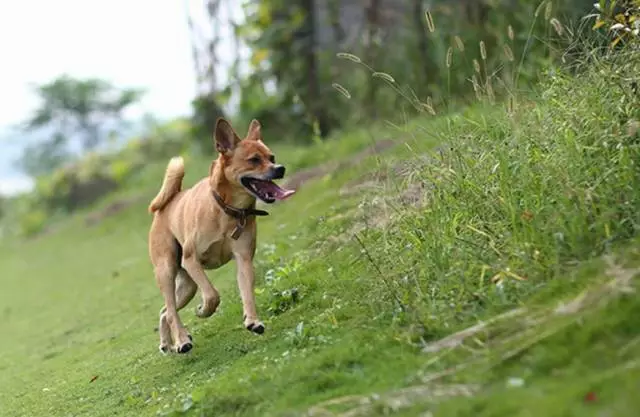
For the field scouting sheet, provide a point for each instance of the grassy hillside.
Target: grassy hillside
(485, 265)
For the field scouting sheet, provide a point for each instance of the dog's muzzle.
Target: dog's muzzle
(277, 172)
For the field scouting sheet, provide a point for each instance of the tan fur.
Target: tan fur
(170, 186)
(190, 220)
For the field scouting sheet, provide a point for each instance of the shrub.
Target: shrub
(33, 222)
(97, 174)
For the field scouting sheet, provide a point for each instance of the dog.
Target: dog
(205, 226)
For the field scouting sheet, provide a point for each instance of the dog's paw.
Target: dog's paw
(183, 348)
(257, 328)
(208, 307)
(254, 325)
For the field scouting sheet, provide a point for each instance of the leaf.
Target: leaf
(599, 23)
(615, 42)
(515, 276)
(298, 18)
(264, 14)
(259, 56)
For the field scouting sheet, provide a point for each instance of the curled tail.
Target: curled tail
(171, 185)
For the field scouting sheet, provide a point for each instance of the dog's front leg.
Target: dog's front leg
(210, 295)
(244, 260)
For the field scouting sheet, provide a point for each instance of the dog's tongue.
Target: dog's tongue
(277, 192)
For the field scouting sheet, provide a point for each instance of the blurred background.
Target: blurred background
(91, 91)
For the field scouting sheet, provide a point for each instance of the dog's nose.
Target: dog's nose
(278, 172)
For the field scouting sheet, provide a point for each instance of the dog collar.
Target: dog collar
(239, 214)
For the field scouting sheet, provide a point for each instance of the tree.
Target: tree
(87, 111)
(207, 106)
(310, 89)
(286, 55)
(41, 158)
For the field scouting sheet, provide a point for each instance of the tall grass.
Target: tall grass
(513, 199)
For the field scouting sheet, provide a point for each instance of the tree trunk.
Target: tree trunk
(477, 12)
(373, 26)
(334, 17)
(427, 70)
(314, 100)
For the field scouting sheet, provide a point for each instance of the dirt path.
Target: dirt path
(308, 174)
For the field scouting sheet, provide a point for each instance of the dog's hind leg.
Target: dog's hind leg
(166, 277)
(164, 253)
(185, 291)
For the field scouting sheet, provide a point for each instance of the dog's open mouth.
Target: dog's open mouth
(266, 190)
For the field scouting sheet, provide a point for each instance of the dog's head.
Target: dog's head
(249, 163)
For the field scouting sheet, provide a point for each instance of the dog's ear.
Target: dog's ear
(255, 132)
(225, 137)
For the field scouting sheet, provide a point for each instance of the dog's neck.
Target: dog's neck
(233, 195)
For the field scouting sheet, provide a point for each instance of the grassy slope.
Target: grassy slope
(540, 195)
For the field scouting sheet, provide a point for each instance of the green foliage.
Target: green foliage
(281, 299)
(513, 200)
(88, 180)
(33, 222)
(283, 56)
(206, 111)
(89, 110)
(164, 140)
(120, 170)
(420, 64)
(620, 18)
(530, 193)
(42, 158)
(76, 186)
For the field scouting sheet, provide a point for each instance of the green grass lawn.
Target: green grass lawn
(370, 282)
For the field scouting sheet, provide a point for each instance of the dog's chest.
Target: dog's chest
(216, 255)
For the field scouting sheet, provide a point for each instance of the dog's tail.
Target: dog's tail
(171, 185)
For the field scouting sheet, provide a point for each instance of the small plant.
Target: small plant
(282, 295)
(298, 336)
(620, 18)
(282, 300)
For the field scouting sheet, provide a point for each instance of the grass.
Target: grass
(89, 305)
(523, 221)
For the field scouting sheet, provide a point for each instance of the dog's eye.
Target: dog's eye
(255, 159)
(272, 159)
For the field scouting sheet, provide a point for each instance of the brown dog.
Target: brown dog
(205, 226)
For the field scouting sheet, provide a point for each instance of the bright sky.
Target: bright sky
(132, 43)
